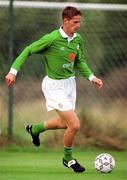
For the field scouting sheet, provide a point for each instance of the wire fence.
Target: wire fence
(105, 39)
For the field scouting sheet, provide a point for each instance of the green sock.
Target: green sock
(68, 153)
(38, 128)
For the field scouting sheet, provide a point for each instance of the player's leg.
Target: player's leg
(53, 123)
(35, 129)
(67, 119)
(73, 126)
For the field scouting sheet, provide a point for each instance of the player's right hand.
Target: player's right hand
(10, 79)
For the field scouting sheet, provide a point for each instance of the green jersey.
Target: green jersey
(61, 53)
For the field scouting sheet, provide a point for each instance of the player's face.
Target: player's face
(73, 24)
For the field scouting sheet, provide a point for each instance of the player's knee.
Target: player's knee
(75, 126)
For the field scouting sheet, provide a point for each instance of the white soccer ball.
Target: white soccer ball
(104, 163)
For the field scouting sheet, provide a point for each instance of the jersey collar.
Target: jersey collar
(64, 35)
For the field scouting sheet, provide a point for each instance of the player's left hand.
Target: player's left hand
(98, 83)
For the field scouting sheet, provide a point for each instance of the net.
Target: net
(104, 32)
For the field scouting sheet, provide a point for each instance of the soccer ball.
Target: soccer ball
(104, 163)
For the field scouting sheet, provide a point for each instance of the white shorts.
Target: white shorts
(59, 94)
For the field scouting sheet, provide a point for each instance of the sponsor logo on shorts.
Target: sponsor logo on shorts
(60, 105)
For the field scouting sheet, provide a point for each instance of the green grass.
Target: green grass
(39, 164)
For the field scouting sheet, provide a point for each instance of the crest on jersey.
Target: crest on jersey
(72, 56)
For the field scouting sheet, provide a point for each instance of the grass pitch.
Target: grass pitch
(39, 165)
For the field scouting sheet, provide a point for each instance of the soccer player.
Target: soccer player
(63, 53)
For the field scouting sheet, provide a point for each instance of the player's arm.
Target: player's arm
(85, 71)
(33, 48)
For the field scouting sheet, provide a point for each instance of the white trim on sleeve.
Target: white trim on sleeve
(91, 77)
(13, 71)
